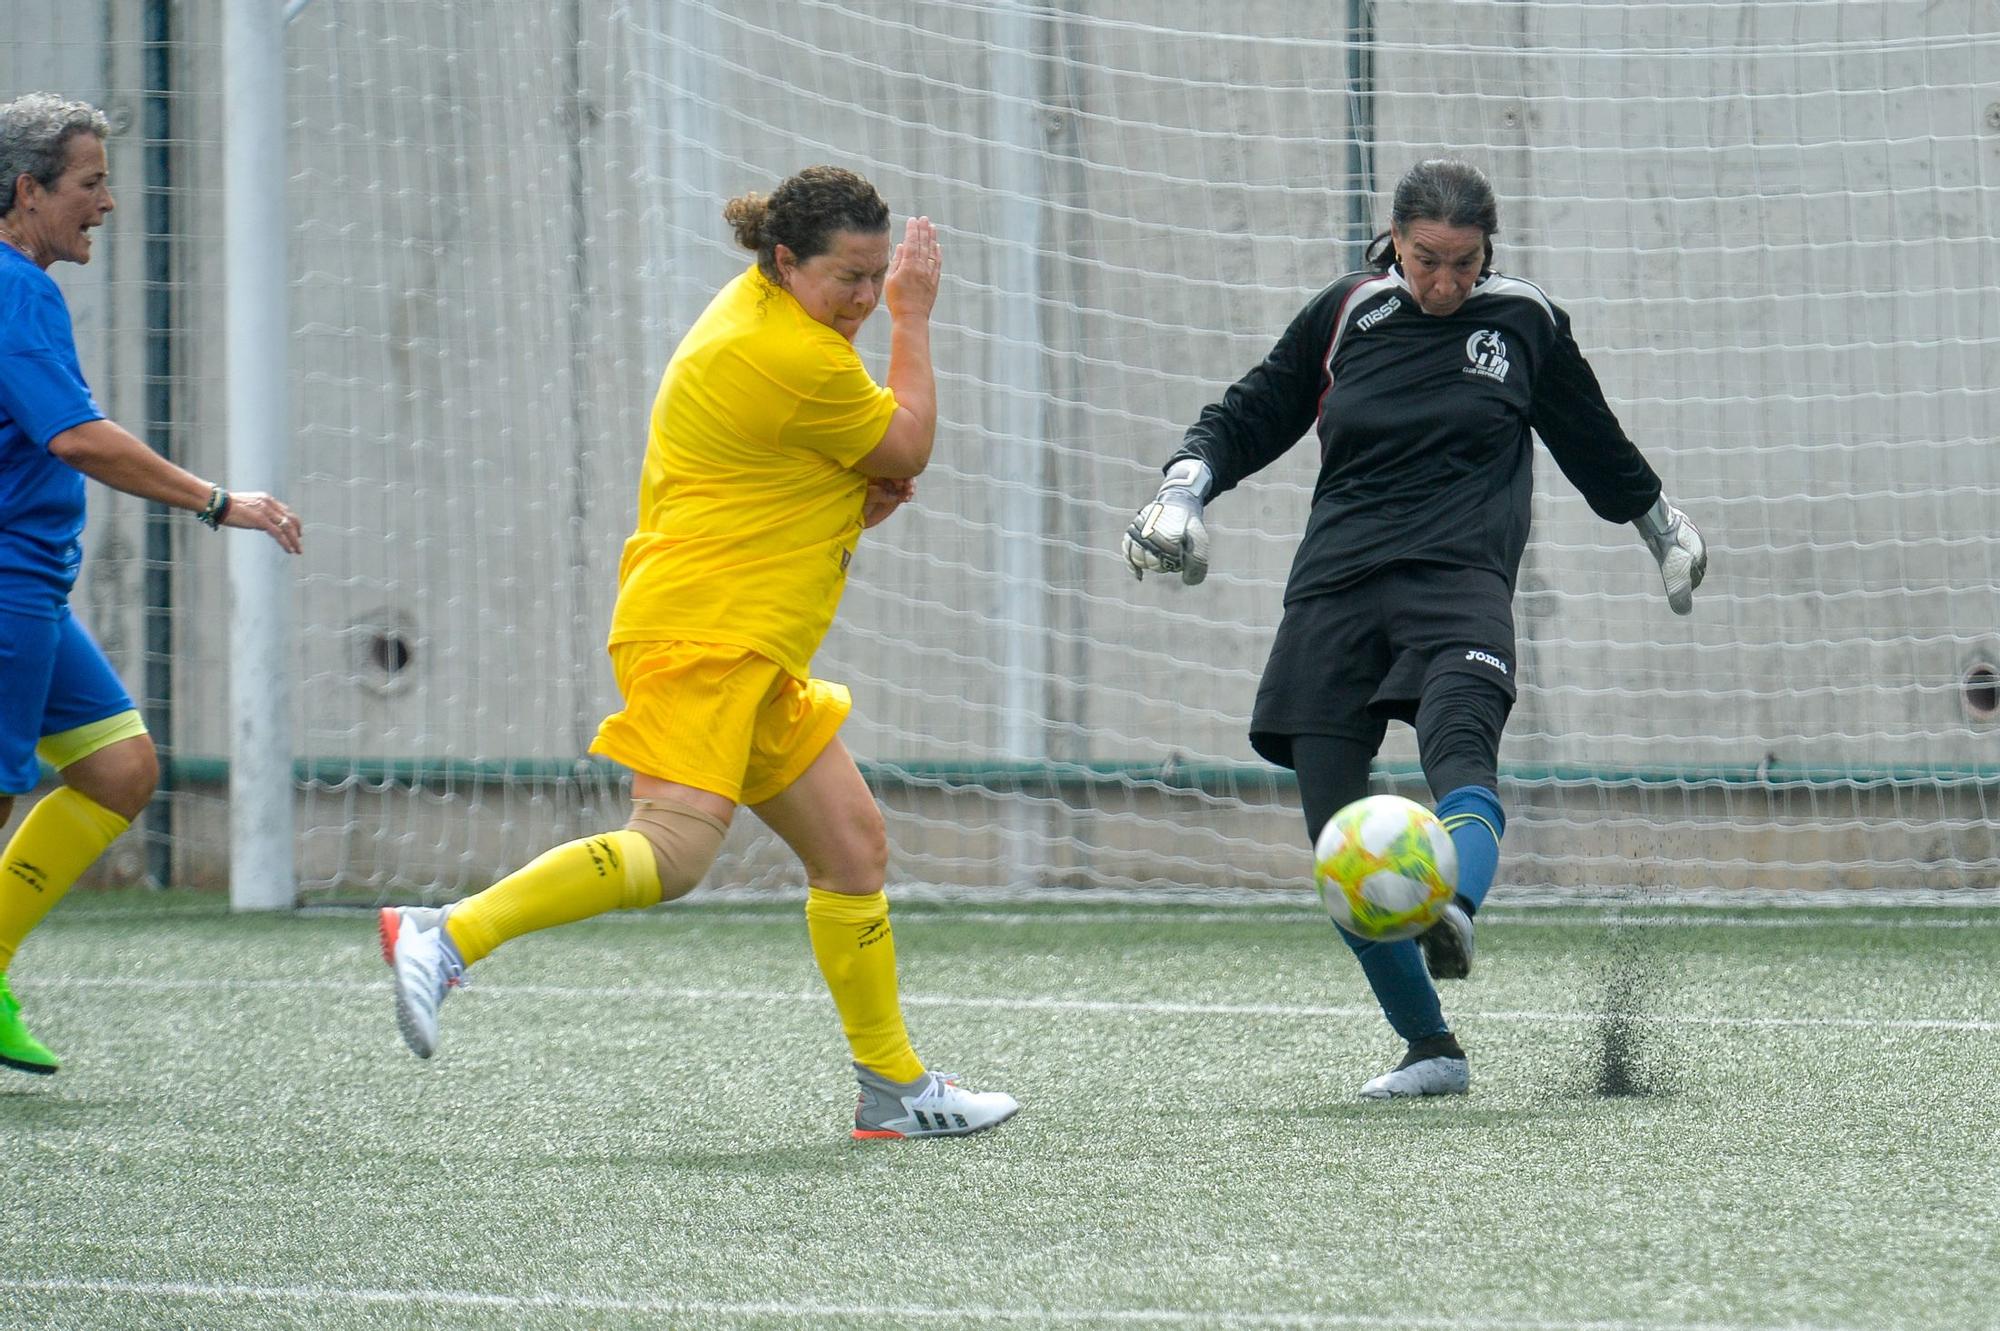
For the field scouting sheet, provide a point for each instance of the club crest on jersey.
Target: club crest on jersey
(1488, 354)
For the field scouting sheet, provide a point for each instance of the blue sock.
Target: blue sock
(1402, 985)
(1472, 815)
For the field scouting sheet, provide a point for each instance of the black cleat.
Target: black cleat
(1447, 944)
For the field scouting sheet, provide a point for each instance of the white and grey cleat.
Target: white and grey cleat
(934, 1105)
(426, 965)
(1426, 1076)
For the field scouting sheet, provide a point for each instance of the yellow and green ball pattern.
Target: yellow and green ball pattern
(1385, 868)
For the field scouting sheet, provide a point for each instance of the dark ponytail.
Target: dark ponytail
(803, 214)
(1381, 252)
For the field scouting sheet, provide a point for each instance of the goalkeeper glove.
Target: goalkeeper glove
(1682, 554)
(1167, 536)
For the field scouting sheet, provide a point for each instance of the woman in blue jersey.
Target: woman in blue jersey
(60, 700)
(1421, 378)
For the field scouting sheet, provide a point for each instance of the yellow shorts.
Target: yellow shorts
(718, 718)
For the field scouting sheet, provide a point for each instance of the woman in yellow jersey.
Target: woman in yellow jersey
(770, 450)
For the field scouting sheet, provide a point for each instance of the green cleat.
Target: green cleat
(18, 1049)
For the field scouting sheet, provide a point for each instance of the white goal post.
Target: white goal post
(1773, 225)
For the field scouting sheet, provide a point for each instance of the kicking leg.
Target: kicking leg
(659, 855)
(1458, 734)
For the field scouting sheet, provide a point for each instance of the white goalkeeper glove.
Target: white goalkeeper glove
(1167, 536)
(1682, 554)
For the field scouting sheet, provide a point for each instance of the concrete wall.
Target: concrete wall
(1771, 223)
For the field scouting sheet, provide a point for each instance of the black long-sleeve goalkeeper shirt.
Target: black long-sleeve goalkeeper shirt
(1423, 427)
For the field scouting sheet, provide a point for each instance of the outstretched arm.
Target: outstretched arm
(1258, 418)
(1584, 437)
(105, 451)
(1264, 413)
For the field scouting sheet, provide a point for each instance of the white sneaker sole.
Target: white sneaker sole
(1433, 1076)
(988, 1109)
(418, 1033)
(890, 1134)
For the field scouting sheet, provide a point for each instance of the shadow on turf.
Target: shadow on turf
(28, 1104)
(768, 1162)
(1452, 1113)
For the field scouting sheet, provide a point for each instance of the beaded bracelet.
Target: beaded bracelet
(218, 508)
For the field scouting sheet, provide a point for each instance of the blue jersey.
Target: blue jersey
(42, 393)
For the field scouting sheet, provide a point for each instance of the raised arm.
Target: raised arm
(1607, 468)
(910, 292)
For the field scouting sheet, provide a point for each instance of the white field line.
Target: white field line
(1586, 916)
(1565, 913)
(815, 1313)
(1300, 897)
(1107, 1007)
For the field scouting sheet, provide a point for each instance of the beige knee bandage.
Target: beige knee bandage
(684, 841)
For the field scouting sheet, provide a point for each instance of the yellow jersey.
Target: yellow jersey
(749, 507)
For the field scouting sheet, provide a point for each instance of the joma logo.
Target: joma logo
(1487, 658)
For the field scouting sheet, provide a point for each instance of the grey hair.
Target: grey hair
(1439, 190)
(35, 131)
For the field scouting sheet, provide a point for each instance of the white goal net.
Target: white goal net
(1773, 225)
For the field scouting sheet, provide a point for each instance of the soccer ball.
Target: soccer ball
(1385, 868)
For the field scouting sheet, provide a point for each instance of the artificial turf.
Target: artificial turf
(1679, 1119)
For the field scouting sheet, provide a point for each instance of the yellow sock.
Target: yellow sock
(611, 871)
(61, 837)
(856, 952)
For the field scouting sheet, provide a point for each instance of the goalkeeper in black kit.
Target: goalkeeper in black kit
(1421, 378)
